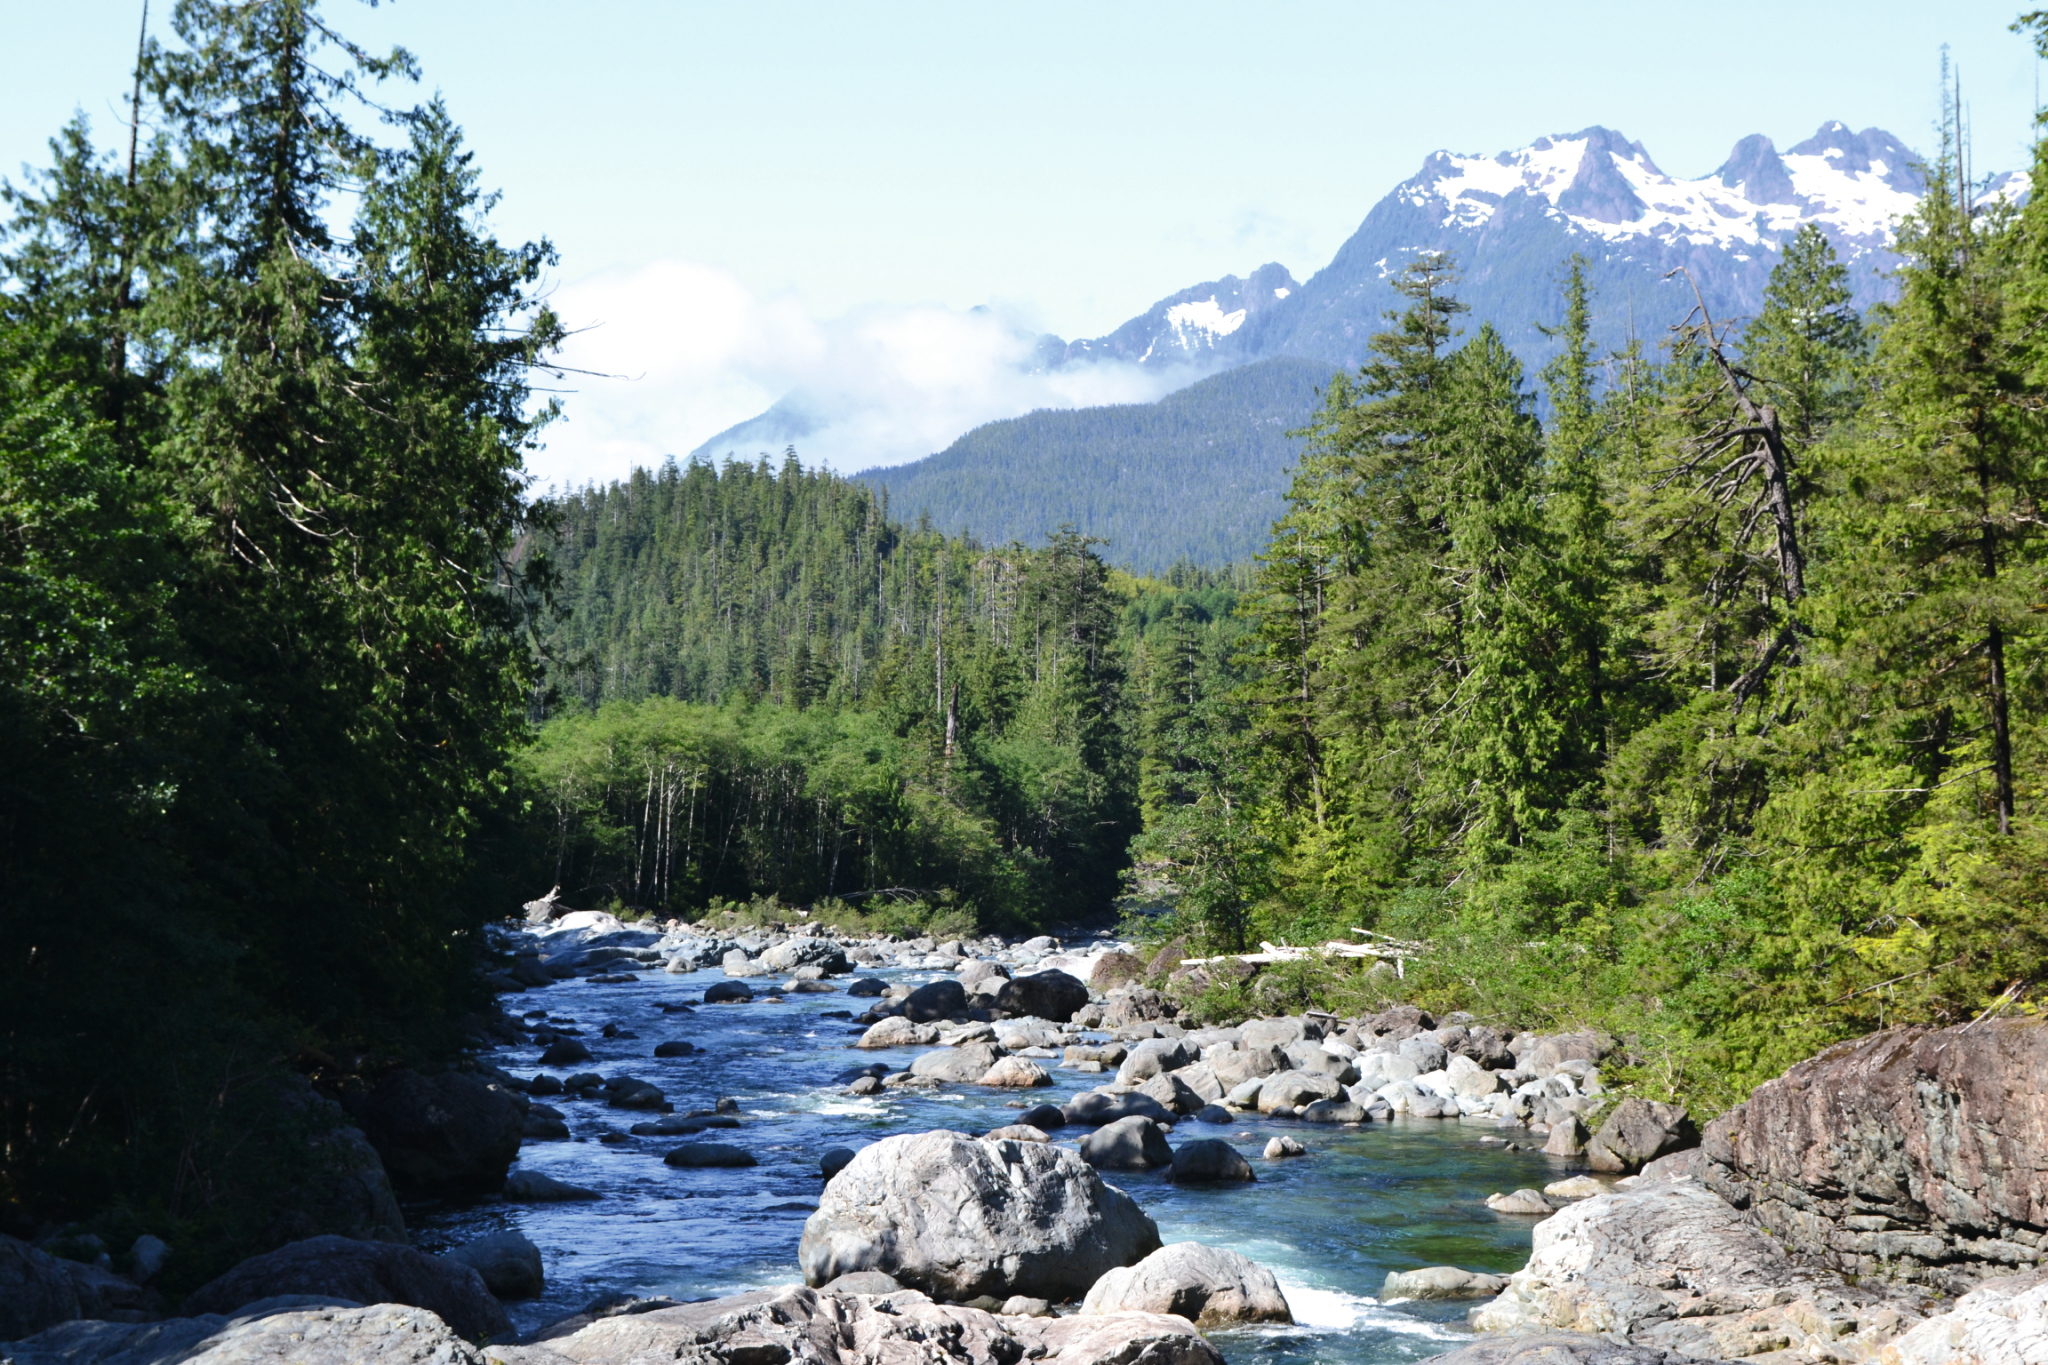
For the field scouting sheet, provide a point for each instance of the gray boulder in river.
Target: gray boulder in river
(935, 1000)
(958, 1218)
(1132, 1144)
(509, 1263)
(1050, 995)
(1209, 1286)
(362, 1272)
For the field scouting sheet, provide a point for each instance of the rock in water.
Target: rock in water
(1015, 1132)
(1637, 1131)
(704, 1155)
(1132, 1144)
(728, 993)
(1441, 1282)
(1209, 1286)
(833, 1160)
(962, 1065)
(290, 1333)
(1209, 1161)
(1015, 1073)
(510, 1265)
(959, 1217)
(935, 1000)
(1050, 995)
(531, 1187)
(1521, 1201)
(897, 1031)
(364, 1272)
(1284, 1146)
(451, 1135)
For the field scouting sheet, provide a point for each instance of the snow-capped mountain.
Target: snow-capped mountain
(1510, 220)
(1191, 326)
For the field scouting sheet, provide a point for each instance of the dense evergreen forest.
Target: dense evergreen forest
(263, 409)
(1197, 476)
(770, 688)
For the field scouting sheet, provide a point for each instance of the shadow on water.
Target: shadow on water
(1331, 1225)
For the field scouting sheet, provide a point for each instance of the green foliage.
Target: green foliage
(263, 405)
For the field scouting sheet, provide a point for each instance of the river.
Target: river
(1330, 1225)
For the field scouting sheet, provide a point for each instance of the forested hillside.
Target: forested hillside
(770, 688)
(1197, 475)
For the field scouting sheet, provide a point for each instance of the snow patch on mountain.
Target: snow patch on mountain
(1596, 182)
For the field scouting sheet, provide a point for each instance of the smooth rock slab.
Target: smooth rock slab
(959, 1217)
(1209, 1286)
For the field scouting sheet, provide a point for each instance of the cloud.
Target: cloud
(675, 352)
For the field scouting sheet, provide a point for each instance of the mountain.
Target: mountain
(1194, 325)
(1199, 474)
(1511, 219)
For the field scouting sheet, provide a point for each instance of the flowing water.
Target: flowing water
(1330, 1225)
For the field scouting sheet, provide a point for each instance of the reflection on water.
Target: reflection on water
(1330, 1225)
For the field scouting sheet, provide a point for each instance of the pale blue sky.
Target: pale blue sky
(745, 194)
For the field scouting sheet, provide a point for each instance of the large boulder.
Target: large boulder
(1209, 1286)
(935, 1000)
(1132, 1144)
(897, 1031)
(1177, 1095)
(1113, 969)
(1673, 1266)
(509, 1264)
(451, 1135)
(1638, 1131)
(1209, 1161)
(821, 953)
(1050, 995)
(862, 1320)
(1913, 1153)
(958, 1217)
(1234, 1066)
(1153, 1057)
(1297, 1090)
(363, 1272)
(35, 1291)
(962, 1065)
(1136, 1005)
(292, 1331)
(1098, 1107)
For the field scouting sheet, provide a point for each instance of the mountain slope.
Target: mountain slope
(1199, 474)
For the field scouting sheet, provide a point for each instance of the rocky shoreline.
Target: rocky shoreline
(1886, 1201)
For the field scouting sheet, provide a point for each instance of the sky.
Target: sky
(878, 204)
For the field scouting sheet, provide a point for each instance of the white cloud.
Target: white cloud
(679, 351)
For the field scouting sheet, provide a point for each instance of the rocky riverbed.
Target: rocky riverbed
(1013, 1127)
